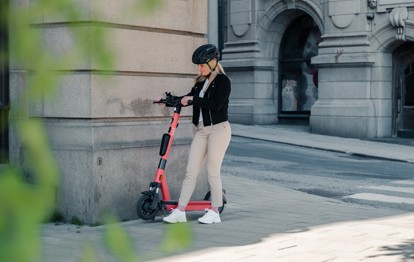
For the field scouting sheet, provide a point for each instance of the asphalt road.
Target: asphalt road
(361, 180)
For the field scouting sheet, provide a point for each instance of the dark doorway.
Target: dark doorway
(4, 84)
(403, 94)
(298, 78)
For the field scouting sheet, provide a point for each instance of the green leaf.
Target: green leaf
(177, 237)
(89, 254)
(118, 242)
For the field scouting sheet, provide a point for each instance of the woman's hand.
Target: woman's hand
(157, 101)
(184, 100)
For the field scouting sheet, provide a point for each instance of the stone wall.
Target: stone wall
(103, 128)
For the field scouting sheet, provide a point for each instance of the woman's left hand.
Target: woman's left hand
(184, 100)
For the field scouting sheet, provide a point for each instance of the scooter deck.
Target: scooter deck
(193, 205)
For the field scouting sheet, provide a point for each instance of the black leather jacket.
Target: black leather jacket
(214, 103)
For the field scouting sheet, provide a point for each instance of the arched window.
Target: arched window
(298, 78)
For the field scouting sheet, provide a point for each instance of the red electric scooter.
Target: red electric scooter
(150, 203)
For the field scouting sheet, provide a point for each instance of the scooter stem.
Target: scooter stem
(160, 173)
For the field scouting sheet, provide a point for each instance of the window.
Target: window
(409, 85)
(298, 77)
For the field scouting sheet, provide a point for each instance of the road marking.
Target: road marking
(404, 182)
(391, 188)
(382, 198)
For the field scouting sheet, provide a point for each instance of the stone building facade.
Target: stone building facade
(102, 126)
(343, 67)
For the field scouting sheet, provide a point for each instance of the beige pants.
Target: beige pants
(209, 143)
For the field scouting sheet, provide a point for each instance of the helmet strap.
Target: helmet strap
(212, 69)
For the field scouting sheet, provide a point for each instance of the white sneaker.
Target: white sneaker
(210, 217)
(176, 216)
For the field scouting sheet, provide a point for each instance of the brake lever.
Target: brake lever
(161, 101)
(169, 101)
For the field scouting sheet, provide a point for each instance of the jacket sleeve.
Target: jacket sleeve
(192, 92)
(217, 98)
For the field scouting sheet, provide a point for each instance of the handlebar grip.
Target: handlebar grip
(189, 102)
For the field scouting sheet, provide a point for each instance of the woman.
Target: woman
(210, 96)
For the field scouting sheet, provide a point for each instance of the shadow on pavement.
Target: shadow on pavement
(404, 250)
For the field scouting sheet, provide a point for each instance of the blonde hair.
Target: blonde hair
(219, 69)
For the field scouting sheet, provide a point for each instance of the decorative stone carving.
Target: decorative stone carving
(398, 16)
(343, 12)
(241, 17)
(372, 4)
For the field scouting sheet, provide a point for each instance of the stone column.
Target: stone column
(213, 23)
(253, 95)
(344, 106)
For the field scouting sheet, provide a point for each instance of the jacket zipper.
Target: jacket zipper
(209, 111)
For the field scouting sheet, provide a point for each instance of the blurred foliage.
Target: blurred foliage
(177, 238)
(147, 6)
(89, 254)
(118, 242)
(24, 205)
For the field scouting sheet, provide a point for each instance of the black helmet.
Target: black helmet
(205, 53)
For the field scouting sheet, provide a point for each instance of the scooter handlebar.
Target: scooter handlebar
(171, 101)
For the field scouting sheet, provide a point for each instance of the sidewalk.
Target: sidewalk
(298, 135)
(265, 222)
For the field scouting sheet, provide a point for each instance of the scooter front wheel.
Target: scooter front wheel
(144, 209)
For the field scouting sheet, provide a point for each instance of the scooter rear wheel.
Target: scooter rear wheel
(208, 197)
(144, 209)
